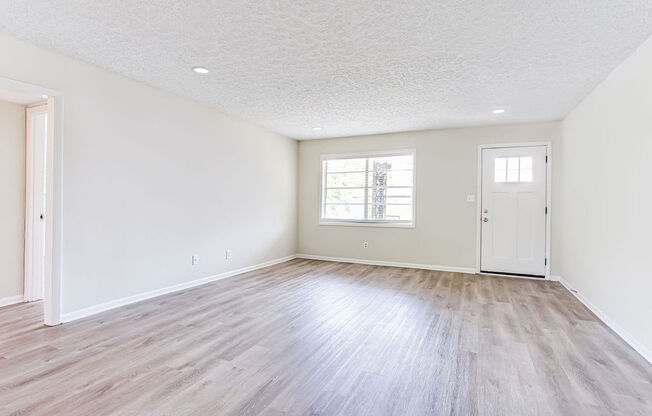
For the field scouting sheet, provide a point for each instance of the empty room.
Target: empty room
(275, 207)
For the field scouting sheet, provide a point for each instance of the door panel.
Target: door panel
(525, 240)
(514, 210)
(503, 208)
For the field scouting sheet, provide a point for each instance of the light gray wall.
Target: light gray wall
(446, 171)
(151, 179)
(12, 197)
(606, 197)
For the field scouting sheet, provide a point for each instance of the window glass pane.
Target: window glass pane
(345, 180)
(394, 196)
(344, 212)
(512, 169)
(378, 201)
(399, 195)
(377, 211)
(400, 178)
(341, 196)
(392, 178)
(390, 212)
(500, 169)
(395, 162)
(526, 169)
(512, 163)
(379, 172)
(526, 175)
(526, 162)
(399, 212)
(346, 165)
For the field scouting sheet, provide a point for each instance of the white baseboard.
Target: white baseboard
(92, 310)
(469, 270)
(11, 300)
(625, 335)
(554, 278)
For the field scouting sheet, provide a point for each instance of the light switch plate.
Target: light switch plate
(470, 198)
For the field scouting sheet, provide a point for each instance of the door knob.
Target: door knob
(485, 219)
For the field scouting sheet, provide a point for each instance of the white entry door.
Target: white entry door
(513, 206)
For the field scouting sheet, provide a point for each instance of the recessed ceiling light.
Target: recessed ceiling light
(200, 70)
(44, 96)
(316, 128)
(499, 111)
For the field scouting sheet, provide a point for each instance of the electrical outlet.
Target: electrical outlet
(228, 254)
(195, 259)
(365, 245)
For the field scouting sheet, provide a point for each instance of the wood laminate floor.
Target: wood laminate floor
(310, 337)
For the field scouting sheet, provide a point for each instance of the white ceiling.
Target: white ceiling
(19, 97)
(351, 67)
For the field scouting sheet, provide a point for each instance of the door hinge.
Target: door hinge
(546, 210)
(546, 159)
(546, 262)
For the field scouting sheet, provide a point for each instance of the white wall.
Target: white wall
(12, 197)
(606, 197)
(446, 171)
(151, 178)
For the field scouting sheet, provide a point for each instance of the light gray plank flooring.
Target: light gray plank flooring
(309, 337)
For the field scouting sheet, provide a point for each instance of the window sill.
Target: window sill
(368, 224)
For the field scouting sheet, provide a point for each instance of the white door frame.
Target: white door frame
(35, 155)
(54, 202)
(478, 218)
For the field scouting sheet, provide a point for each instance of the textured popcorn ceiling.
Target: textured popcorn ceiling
(355, 66)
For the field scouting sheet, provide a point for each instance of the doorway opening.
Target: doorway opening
(514, 209)
(33, 140)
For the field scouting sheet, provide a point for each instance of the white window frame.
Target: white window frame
(369, 223)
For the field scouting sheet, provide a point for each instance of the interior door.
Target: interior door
(514, 210)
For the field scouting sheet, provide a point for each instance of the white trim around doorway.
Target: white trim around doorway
(54, 203)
